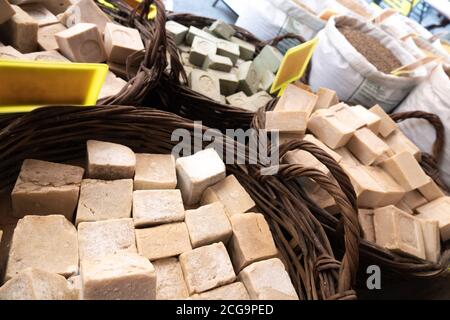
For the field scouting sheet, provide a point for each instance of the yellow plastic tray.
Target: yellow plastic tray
(294, 64)
(133, 4)
(27, 85)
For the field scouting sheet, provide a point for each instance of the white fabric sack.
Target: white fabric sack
(338, 66)
(399, 26)
(262, 19)
(299, 20)
(432, 95)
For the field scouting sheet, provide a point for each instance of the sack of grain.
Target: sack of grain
(354, 58)
(430, 96)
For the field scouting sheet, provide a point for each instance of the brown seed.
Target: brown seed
(382, 58)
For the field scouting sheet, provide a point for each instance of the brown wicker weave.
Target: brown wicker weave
(60, 134)
(370, 253)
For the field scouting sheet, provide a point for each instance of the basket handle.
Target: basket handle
(345, 197)
(276, 40)
(429, 162)
(154, 63)
(434, 120)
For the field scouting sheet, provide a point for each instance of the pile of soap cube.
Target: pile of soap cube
(225, 68)
(138, 226)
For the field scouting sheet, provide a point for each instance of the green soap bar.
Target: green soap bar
(267, 79)
(228, 81)
(269, 58)
(228, 49)
(221, 29)
(177, 31)
(247, 50)
(200, 50)
(205, 83)
(248, 78)
(217, 62)
(196, 32)
(237, 99)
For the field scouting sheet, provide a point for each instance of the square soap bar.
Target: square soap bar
(200, 50)
(121, 42)
(40, 13)
(46, 36)
(251, 241)
(326, 98)
(82, 43)
(84, 11)
(371, 120)
(336, 156)
(48, 243)
(165, 241)
(222, 29)
(269, 58)
(216, 62)
(399, 143)
(286, 121)
(231, 194)
(246, 49)
(155, 171)
(405, 169)
(205, 83)
(197, 172)
(248, 78)
(103, 238)
(268, 280)
(6, 11)
(110, 161)
(296, 99)
(234, 291)
(153, 207)
(20, 31)
(367, 147)
(103, 200)
(170, 280)
(177, 31)
(228, 49)
(387, 125)
(44, 188)
(398, 231)
(122, 276)
(9, 53)
(431, 239)
(35, 284)
(208, 224)
(365, 217)
(438, 210)
(206, 268)
(329, 129)
(228, 81)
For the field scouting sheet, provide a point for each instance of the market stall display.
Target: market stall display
(393, 191)
(275, 196)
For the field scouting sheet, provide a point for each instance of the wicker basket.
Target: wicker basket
(60, 134)
(155, 82)
(393, 264)
(190, 104)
